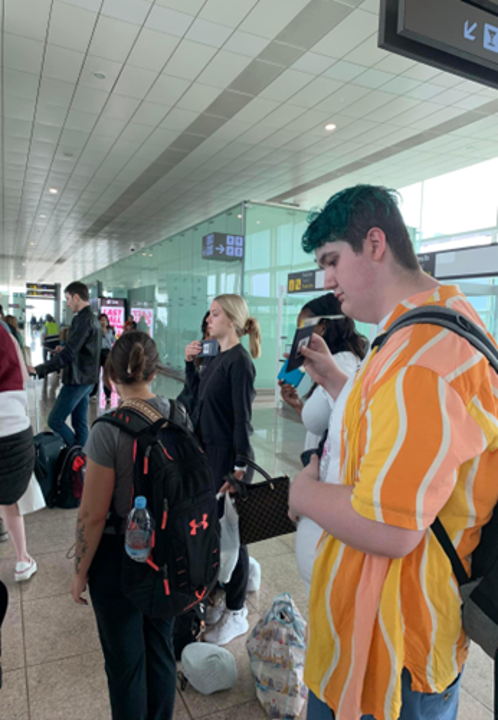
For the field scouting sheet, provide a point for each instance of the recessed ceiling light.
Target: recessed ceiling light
(99, 75)
(240, 217)
(53, 191)
(31, 243)
(144, 254)
(150, 255)
(330, 127)
(258, 222)
(43, 216)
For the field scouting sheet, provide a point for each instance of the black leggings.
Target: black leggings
(221, 461)
(138, 650)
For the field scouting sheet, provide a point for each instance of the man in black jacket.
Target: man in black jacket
(80, 360)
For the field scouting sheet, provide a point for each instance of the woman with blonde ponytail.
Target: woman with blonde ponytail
(223, 423)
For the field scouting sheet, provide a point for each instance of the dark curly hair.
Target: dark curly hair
(350, 214)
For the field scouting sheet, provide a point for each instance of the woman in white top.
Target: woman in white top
(316, 409)
(17, 453)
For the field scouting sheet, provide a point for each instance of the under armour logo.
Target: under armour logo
(195, 525)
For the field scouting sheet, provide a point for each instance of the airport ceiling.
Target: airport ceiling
(124, 121)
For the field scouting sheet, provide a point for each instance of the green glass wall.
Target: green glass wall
(180, 284)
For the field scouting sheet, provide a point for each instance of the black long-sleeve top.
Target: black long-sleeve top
(225, 396)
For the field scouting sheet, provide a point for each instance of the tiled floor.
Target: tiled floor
(52, 662)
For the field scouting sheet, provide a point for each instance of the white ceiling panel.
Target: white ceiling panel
(135, 82)
(223, 69)
(108, 68)
(167, 90)
(23, 17)
(198, 97)
(120, 107)
(226, 12)
(62, 64)
(348, 34)
(250, 44)
(203, 31)
(89, 99)
(113, 39)
(20, 53)
(269, 17)
(132, 11)
(71, 26)
(20, 84)
(189, 59)
(150, 113)
(168, 21)
(181, 77)
(286, 85)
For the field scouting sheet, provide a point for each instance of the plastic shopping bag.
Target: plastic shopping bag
(230, 540)
(33, 499)
(277, 650)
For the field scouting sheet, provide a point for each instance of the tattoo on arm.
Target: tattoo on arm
(81, 544)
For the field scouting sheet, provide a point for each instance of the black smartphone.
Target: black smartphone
(301, 339)
(210, 348)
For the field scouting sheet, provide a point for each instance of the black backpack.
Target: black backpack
(171, 471)
(70, 469)
(480, 591)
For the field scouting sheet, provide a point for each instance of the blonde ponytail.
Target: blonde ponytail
(252, 329)
(235, 307)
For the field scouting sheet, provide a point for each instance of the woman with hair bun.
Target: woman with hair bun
(138, 650)
(223, 423)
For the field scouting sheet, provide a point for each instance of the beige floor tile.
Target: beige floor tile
(280, 574)
(477, 677)
(7, 566)
(45, 533)
(471, 709)
(55, 572)
(247, 711)
(51, 533)
(244, 690)
(57, 628)
(12, 639)
(181, 712)
(14, 697)
(290, 541)
(70, 689)
(268, 548)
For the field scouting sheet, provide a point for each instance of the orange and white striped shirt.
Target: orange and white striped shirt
(419, 436)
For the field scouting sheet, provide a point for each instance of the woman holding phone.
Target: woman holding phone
(316, 408)
(223, 423)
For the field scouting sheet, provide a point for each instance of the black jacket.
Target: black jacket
(80, 356)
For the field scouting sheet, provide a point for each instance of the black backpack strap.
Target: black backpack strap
(446, 318)
(178, 415)
(448, 547)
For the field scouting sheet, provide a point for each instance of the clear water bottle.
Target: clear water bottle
(139, 531)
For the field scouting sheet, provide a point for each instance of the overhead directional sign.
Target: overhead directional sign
(219, 246)
(460, 36)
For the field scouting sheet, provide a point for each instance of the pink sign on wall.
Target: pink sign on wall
(143, 316)
(114, 308)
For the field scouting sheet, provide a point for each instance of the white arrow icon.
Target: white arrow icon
(469, 30)
(220, 249)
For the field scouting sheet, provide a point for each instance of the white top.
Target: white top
(13, 412)
(318, 408)
(308, 532)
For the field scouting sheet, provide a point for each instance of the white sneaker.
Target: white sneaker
(216, 610)
(24, 570)
(233, 623)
